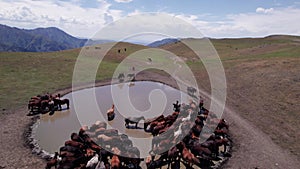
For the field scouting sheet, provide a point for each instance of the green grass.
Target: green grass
(26, 74)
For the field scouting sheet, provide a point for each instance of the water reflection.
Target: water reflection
(54, 130)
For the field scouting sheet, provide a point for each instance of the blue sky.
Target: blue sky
(214, 18)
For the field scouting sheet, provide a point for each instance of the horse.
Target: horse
(131, 77)
(191, 91)
(34, 103)
(187, 118)
(151, 164)
(121, 77)
(71, 149)
(115, 161)
(176, 106)
(111, 113)
(179, 131)
(222, 123)
(59, 102)
(67, 154)
(74, 144)
(173, 157)
(53, 162)
(198, 149)
(133, 120)
(73, 162)
(92, 163)
(189, 157)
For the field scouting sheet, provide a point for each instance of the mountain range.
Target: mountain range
(37, 40)
(50, 39)
(40, 40)
(162, 42)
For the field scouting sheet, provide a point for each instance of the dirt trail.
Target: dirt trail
(253, 148)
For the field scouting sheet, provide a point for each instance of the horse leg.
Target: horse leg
(136, 125)
(168, 164)
(68, 103)
(224, 148)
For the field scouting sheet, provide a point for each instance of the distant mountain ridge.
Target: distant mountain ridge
(37, 40)
(40, 40)
(162, 42)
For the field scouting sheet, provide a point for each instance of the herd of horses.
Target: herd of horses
(190, 136)
(46, 103)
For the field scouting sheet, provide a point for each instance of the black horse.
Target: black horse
(133, 120)
(59, 102)
(176, 106)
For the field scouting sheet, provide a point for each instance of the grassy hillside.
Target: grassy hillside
(27, 74)
(262, 76)
(263, 82)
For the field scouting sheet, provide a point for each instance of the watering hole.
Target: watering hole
(146, 98)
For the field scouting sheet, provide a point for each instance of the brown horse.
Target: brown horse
(115, 162)
(53, 162)
(187, 155)
(222, 123)
(34, 103)
(111, 113)
(74, 144)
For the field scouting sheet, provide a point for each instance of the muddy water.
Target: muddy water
(149, 99)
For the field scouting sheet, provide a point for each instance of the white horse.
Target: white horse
(179, 131)
(92, 163)
(187, 118)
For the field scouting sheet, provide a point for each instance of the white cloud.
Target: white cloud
(280, 21)
(69, 16)
(264, 10)
(262, 23)
(123, 1)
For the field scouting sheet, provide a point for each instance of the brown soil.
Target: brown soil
(14, 152)
(252, 148)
